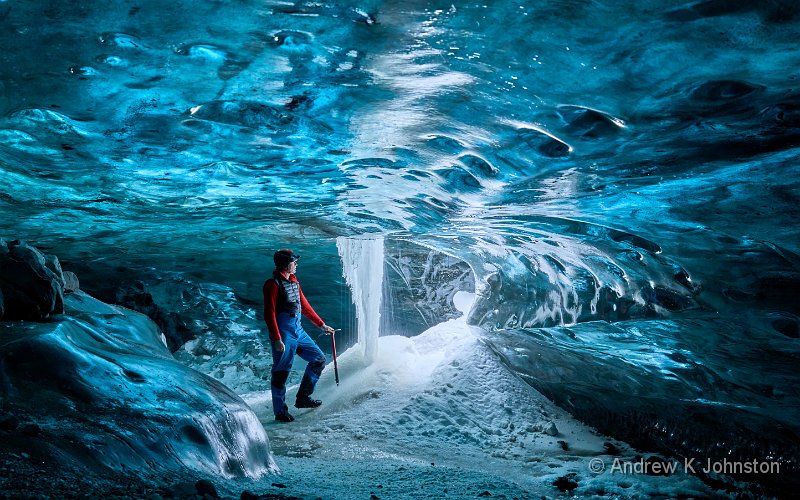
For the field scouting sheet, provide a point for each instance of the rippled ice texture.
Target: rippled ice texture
(192, 126)
(108, 396)
(588, 160)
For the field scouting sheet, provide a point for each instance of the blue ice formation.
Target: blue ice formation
(586, 161)
(107, 396)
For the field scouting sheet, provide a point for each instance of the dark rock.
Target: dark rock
(71, 283)
(566, 483)
(279, 485)
(8, 423)
(246, 495)
(563, 444)
(484, 494)
(610, 448)
(51, 262)
(30, 282)
(2, 309)
(177, 328)
(205, 487)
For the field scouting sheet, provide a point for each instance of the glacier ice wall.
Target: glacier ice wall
(588, 161)
(105, 394)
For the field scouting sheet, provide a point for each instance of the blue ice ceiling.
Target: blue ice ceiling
(379, 117)
(619, 161)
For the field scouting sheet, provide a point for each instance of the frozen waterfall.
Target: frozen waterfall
(362, 267)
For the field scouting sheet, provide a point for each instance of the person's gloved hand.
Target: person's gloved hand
(327, 329)
(279, 346)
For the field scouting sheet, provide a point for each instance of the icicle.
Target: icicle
(362, 263)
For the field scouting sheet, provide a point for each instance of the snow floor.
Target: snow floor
(439, 416)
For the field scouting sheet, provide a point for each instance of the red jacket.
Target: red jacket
(271, 296)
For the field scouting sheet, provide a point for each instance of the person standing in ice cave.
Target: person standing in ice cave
(283, 303)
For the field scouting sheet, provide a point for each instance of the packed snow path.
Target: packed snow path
(438, 415)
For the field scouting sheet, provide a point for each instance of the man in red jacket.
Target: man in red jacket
(283, 303)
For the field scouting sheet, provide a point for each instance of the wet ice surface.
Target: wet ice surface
(106, 396)
(439, 415)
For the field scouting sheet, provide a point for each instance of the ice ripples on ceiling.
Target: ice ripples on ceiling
(511, 121)
(282, 103)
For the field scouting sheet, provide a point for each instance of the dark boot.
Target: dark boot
(306, 402)
(304, 394)
(278, 389)
(284, 418)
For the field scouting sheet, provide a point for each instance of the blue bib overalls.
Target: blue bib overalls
(296, 341)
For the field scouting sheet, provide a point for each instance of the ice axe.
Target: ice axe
(333, 348)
